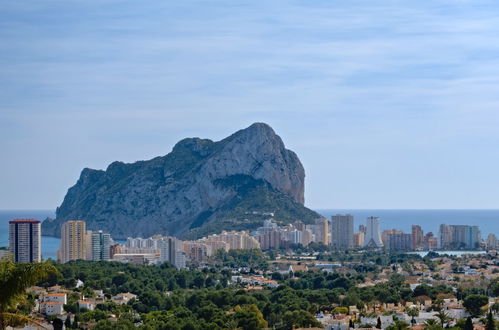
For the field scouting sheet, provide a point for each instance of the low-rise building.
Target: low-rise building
(123, 298)
(51, 308)
(58, 297)
(87, 304)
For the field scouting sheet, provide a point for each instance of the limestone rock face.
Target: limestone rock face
(190, 188)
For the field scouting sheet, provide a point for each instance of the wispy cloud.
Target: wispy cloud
(378, 85)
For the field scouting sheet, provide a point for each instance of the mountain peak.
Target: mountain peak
(200, 184)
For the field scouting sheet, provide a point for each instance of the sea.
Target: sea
(429, 220)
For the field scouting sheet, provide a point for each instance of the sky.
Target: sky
(388, 104)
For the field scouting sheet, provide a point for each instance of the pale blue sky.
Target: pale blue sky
(389, 104)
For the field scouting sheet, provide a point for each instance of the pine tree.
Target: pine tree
(490, 324)
(75, 322)
(469, 324)
(67, 323)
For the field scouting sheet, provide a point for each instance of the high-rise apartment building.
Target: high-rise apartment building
(25, 239)
(270, 239)
(342, 231)
(399, 241)
(73, 241)
(373, 234)
(459, 237)
(101, 245)
(387, 232)
(171, 250)
(417, 237)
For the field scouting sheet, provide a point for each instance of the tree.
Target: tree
(398, 325)
(431, 324)
(443, 317)
(57, 324)
(14, 280)
(413, 313)
(469, 324)
(474, 303)
(249, 317)
(495, 308)
(300, 319)
(67, 322)
(75, 322)
(490, 323)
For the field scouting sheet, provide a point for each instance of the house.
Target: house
(51, 308)
(55, 297)
(123, 298)
(87, 304)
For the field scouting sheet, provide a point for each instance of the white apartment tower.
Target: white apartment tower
(373, 233)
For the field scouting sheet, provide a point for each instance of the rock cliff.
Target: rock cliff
(200, 187)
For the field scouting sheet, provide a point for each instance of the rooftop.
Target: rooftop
(24, 221)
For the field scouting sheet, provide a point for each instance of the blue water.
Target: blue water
(429, 220)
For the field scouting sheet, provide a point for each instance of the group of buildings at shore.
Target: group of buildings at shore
(451, 237)
(79, 243)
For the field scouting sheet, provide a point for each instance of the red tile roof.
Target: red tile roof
(24, 221)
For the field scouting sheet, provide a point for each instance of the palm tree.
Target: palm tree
(413, 313)
(431, 324)
(443, 317)
(14, 280)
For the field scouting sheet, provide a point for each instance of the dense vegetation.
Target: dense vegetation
(168, 298)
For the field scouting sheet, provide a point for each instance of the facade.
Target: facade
(171, 250)
(270, 240)
(25, 240)
(417, 237)
(459, 237)
(101, 246)
(373, 234)
(137, 258)
(386, 233)
(196, 252)
(236, 240)
(430, 242)
(51, 308)
(358, 239)
(320, 231)
(116, 249)
(73, 241)
(342, 231)
(491, 242)
(401, 242)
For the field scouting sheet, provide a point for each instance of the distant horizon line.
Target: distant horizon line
(327, 209)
